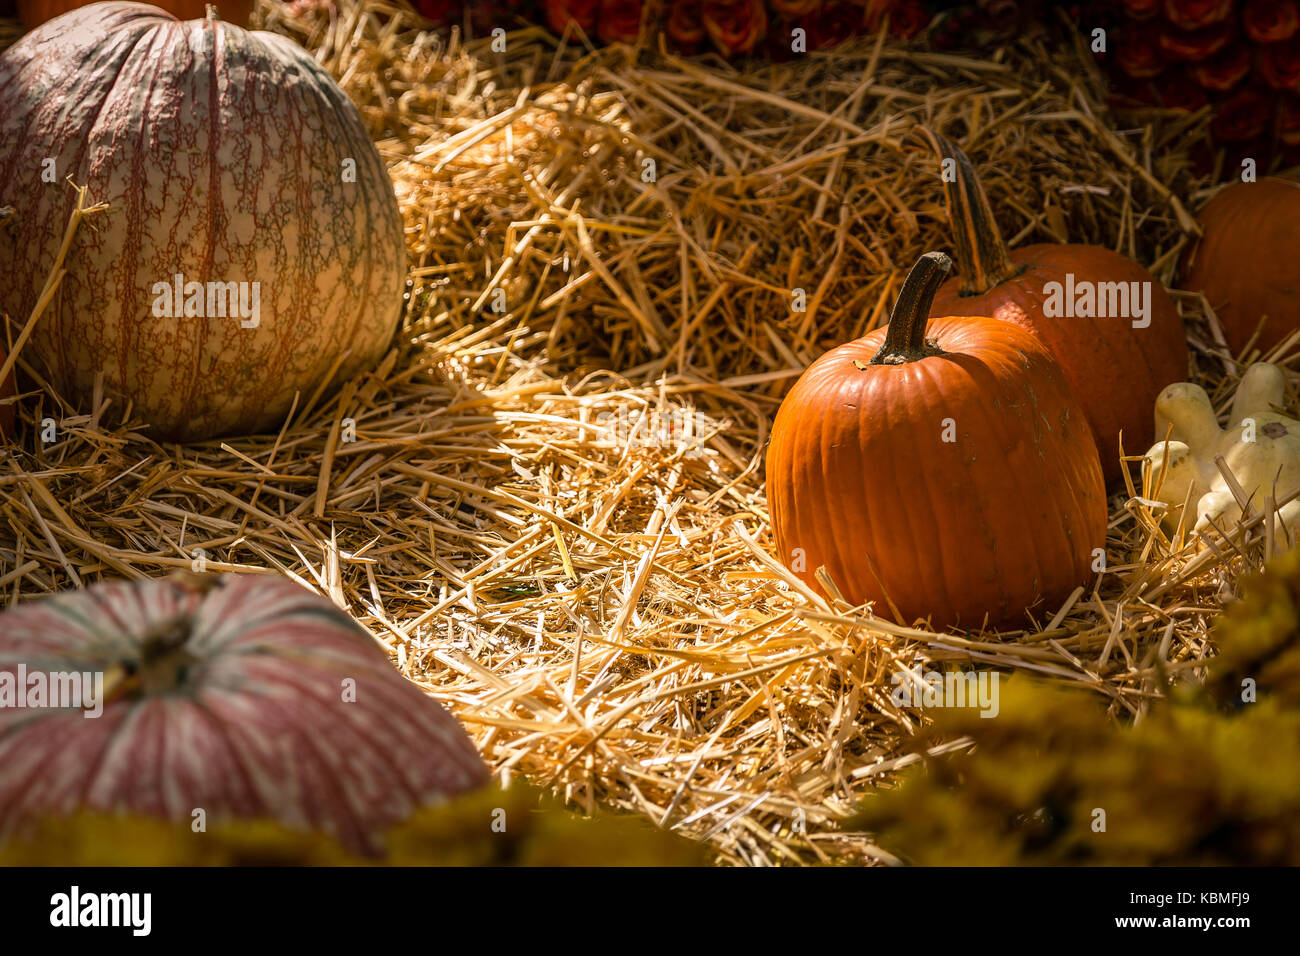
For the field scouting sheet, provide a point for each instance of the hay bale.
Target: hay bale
(526, 172)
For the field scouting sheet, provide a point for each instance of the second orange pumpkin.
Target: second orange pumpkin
(1115, 368)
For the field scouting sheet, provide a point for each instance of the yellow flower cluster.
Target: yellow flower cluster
(490, 827)
(1210, 776)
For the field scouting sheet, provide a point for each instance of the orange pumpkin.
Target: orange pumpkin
(1245, 262)
(1115, 368)
(944, 468)
(35, 12)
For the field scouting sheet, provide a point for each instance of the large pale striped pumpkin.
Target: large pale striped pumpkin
(226, 156)
(246, 697)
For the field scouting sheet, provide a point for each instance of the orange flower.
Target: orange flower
(1142, 9)
(1279, 64)
(1288, 120)
(1224, 71)
(795, 8)
(735, 26)
(1242, 116)
(908, 18)
(685, 25)
(1194, 14)
(1270, 21)
(1194, 45)
(835, 23)
(560, 13)
(620, 21)
(1177, 91)
(1138, 56)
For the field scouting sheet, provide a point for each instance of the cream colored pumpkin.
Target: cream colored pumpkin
(1260, 445)
(233, 165)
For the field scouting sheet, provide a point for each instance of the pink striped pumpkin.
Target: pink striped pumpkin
(229, 695)
(228, 158)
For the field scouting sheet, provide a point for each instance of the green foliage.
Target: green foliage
(490, 827)
(1206, 778)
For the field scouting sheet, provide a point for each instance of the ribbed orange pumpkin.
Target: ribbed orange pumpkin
(1116, 370)
(952, 475)
(1245, 262)
(35, 12)
(227, 158)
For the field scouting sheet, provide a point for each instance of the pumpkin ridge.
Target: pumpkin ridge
(217, 55)
(186, 766)
(131, 203)
(829, 431)
(1048, 547)
(136, 211)
(1032, 559)
(246, 753)
(316, 787)
(1078, 501)
(948, 591)
(907, 347)
(29, 785)
(246, 798)
(358, 740)
(101, 756)
(1005, 425)
(65, 333)
(889, 415)
(1071, 499)
(328, 101)
(900, 419)
(904, 415)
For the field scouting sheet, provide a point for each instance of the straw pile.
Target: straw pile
(553, 515)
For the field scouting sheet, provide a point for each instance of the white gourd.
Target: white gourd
(1260, 445)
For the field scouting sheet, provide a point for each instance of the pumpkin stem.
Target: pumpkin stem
(210, 12)
(905, 340)
(986, 261)
(163, 658)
